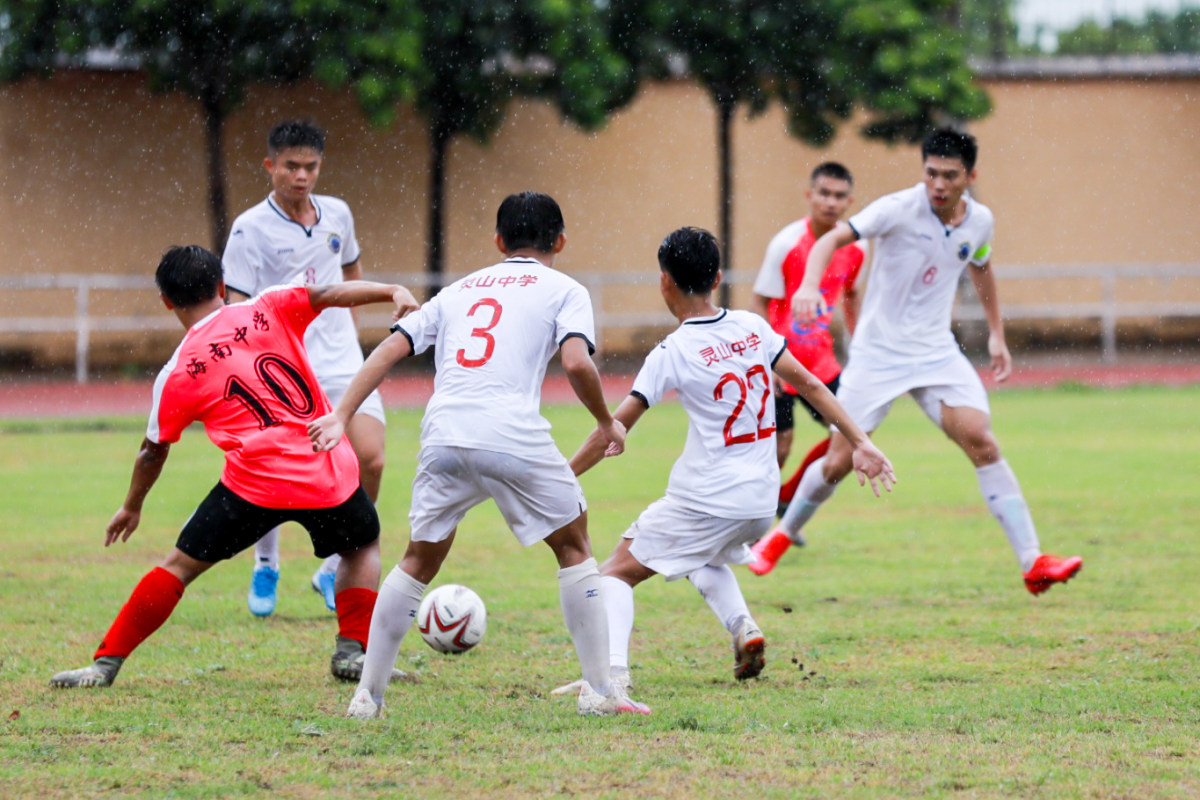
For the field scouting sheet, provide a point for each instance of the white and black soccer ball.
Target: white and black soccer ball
(452, 618)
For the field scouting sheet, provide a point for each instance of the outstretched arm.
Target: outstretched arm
(359, 293)
(592, 451)
(327, 431)
(869, 461)
(807, 298)
(585, 381)
(146, 469)
(985, 286)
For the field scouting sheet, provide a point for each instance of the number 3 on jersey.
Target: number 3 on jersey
(744, 388)
(489, 341)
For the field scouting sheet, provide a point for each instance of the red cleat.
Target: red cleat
(1049, 570)
(768, 550)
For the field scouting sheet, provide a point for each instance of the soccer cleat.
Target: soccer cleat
(347, 664)
(322, 584)
(363, 706)
(261, 597)
(748, 647)
(101, 673)
(1049, 570)
(769, 549)
(620, 679)
(593, 704)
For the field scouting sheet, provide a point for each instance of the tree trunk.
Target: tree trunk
(214, 124)
(724, 123)
(439, 140)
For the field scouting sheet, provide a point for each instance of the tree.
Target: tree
(1157, 33)
(209, 50)
(901, 60)
(474, 58)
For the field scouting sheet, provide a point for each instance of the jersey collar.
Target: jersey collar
(307, 231)
(707, 320)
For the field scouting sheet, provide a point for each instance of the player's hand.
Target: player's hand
(1001, 358)
(806, 304)
(870, 464)
(615, 434)
(326, 432)
(405, 303)
(122, 526)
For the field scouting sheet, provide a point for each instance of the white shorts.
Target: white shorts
(868, 390)
(336, 388)
(536, 497)
(674, 541)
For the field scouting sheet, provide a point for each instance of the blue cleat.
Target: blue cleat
(322, 583)
(261, 597)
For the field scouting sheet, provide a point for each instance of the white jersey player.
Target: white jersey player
(721, 494)
(295, 236)
(483, 436)
(925, 238)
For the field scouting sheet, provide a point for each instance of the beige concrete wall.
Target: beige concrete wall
(97, 175)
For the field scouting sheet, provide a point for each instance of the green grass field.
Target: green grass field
(905, 658)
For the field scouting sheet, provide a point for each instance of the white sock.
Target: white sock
(579, 589)
(810, 494)
(618, 601)
(395, 611)
(266, 550)
(330, 564)
(1007, 504)
(720, 590)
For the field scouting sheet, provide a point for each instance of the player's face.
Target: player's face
(828, 199)
(294, 173)
(945, 181)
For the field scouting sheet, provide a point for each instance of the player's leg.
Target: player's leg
(260, 599)
(784, 424)
(788, 490)
(970, 428)
(619, 574)
(719, 588)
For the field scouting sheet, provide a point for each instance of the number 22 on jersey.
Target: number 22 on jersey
(744, 388)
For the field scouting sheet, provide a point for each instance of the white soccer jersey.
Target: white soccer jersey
(268, 248)
(720, 367)
(905, 315)
(493, 332)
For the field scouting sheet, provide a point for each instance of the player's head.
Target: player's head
(830, 192)
(949, 164)
(295, 151)
(692, 259)
(188, 276)
(529, 221)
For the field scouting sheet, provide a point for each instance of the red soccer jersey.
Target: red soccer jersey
(243, 372)
(812, 344)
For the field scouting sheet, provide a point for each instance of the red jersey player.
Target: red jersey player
(242, 371)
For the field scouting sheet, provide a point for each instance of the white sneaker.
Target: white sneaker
(620, 678)
(363, 707)
(748, 647)
(593, 704)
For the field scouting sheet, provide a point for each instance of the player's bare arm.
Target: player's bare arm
(592, 451)
(146, 468)
(585, 381)
(985, 286)
(357, 293)
(870, 464)
(327, 431)
(807, 299)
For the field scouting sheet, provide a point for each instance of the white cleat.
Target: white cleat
(748, 647)
(593, 704)
(364, 707)
(620, 678)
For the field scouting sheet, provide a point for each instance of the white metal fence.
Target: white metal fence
(612, 293)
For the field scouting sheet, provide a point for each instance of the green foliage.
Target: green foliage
(1158, 32)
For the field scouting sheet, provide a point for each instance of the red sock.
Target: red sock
(354, 607)
(788, 490)
(152, 601)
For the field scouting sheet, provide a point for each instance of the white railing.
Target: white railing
(614, 312)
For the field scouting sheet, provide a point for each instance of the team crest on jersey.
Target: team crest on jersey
(964, 250)
(335, 243)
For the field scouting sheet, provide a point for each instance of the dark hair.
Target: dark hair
(832, 169)
(188, 276)
(949, 143)
(529, 220)
(295, 133)
(692, 258)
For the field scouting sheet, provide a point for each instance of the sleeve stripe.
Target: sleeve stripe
(641, 397)
(397, 329)
(591, 347)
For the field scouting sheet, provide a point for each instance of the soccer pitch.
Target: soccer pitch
(905, 657)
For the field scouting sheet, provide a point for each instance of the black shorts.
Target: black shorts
(784, 420)
(224, 525)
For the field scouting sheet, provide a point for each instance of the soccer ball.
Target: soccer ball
(451, 619)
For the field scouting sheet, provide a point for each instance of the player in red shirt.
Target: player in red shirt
(242, 371)
(829, 196)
